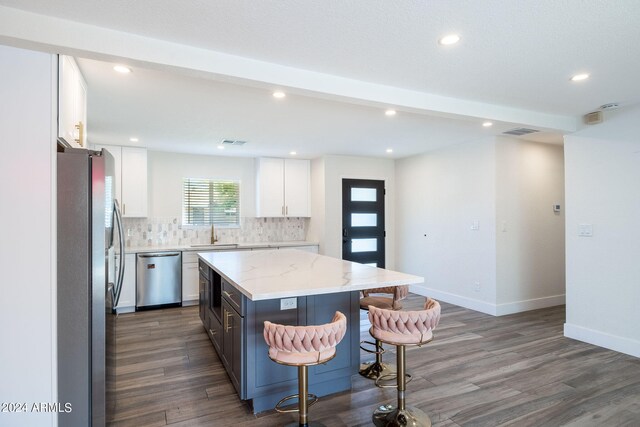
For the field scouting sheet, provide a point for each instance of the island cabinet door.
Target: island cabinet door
(232, 348)
(321, 310)
(215, 333)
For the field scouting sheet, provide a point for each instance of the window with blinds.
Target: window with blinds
(206, 202)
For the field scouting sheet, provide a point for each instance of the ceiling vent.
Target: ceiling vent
(235, 142)
(520, 131)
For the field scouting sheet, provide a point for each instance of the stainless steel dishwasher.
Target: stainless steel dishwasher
(158, 280)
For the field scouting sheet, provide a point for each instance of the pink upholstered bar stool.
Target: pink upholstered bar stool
(403, 328)
(372, 297)
(303, 346)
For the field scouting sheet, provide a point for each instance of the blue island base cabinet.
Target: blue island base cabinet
(244, 353)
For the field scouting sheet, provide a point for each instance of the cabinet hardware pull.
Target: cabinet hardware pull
(80, 128)
(124, 209)
(282, 209)
(227, 294)
(226, 317)
(287, 210)
(212, 332)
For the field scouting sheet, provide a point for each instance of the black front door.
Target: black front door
(363, 221)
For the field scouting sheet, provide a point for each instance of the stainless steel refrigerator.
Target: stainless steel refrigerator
(88, 219)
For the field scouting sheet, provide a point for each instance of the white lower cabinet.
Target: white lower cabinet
(190, 277)
(128, 294)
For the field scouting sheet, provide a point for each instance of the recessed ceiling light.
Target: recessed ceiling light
(487, 124)
(133, 139)
(389, 150)
(293, 153)
(279, 94)
(122, 69)
(390, 113)
(449, 39)
(580, 77)
(220, 147)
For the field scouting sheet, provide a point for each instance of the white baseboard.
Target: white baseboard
(187, 303)
(487, 307)
(529, 304)
(470, 303)
(602, 339)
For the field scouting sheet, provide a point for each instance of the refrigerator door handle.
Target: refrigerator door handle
(118, 287)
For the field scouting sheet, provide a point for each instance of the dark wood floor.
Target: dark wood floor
(480, 370)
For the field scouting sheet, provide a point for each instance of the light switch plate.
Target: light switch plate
(288, 303)
(585, 230)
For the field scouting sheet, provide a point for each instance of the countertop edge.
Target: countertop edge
(188, 248)
(304, 293)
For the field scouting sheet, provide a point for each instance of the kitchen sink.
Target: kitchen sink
(217, 245)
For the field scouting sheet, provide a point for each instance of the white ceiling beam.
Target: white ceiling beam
(28, 30)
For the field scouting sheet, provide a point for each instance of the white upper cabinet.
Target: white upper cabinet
(296, 187)
(134, 182)
(270, 187)
(131, 178)
(72, 108)
(282, 187)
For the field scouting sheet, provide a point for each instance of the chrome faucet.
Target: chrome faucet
(213, 235)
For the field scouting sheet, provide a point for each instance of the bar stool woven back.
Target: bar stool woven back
(303, 346)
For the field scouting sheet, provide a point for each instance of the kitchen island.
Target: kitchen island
(240, 290)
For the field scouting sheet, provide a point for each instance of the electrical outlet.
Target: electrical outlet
(475, 225)
(288, 303)
(476, 286)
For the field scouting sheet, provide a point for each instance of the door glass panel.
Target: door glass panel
(363, 194)
(364, 245)
(364, 220)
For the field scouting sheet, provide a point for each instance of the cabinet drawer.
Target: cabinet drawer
(233, 297)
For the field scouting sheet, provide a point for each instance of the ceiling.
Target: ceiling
(513, 62)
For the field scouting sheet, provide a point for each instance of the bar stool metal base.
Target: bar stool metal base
(390, 416)
(374, 370)
(309, 424)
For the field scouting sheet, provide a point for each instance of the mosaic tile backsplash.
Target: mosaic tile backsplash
(141, 232)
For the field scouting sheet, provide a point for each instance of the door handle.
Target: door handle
(345, 233)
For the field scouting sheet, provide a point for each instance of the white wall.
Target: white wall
(439, 195)
(316, 229)
(602, 166)
(27, 247)
(166, 171)
(498, 183)
(326, 222)
(530, 235)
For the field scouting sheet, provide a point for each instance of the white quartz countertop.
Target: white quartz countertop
(271, 274)
(219, 246)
